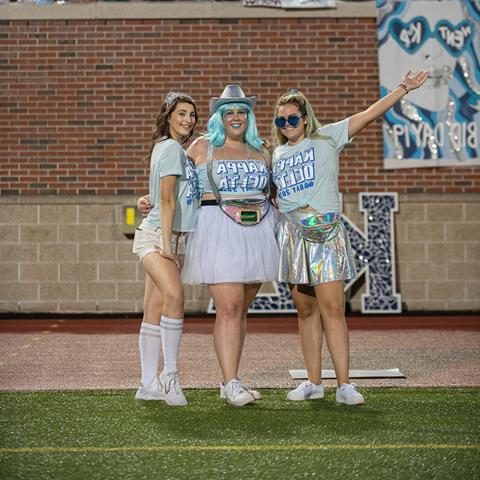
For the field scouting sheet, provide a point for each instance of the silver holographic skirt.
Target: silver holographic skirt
(311, 263)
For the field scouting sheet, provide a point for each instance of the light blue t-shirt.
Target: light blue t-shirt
(235, 177)
(307, 173)
(169, 158)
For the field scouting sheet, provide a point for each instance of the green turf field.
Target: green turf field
(398, 434)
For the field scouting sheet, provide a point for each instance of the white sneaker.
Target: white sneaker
(256, 394)
(172, 389)
(347, 393)
(237, 394)
(153, 391)
(307, 390)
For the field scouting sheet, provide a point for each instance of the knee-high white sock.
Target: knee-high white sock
(150, 344)
(172, 329)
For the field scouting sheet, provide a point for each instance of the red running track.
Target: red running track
(256, 324)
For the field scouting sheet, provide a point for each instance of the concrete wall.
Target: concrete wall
(437, 251)
(68, 254)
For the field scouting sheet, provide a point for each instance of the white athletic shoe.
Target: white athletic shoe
(307, 390)
(347, 393)
(172, 389)
(256, 394)
(153, 391)
(237, 394)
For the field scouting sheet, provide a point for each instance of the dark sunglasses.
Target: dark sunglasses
(291, 119)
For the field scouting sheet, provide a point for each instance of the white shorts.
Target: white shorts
(148, 239)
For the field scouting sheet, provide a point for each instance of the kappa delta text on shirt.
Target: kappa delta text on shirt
(241, 175)
(294, 173)
(192, 191)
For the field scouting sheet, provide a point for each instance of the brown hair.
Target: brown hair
(162, 128)
(297, 98)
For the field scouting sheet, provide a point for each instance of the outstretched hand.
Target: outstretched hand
(415, 80)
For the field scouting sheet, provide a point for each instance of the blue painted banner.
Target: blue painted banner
(438, 124)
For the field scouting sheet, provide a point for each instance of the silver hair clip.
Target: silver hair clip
(170, 97)
(292, 91)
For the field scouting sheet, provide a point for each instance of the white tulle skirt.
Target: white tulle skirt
(220, 250)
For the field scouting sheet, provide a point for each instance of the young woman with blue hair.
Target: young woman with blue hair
(232, 248)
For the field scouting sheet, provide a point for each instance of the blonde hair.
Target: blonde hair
(297, 98)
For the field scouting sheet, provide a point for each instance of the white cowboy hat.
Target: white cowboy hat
(232, 93)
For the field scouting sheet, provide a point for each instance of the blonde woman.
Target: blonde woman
(315, 254)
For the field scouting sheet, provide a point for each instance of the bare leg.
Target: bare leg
(152, 302)
(166, 277)
(331, 302)
(150, 338)
(227, 334)
(310, 329)
(251, 290)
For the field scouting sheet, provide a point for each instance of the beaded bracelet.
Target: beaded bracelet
(402, 85)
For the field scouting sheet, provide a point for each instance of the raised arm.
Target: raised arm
(409, 82)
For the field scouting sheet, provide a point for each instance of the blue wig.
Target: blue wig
(216, 131)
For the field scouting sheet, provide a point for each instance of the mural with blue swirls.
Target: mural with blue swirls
(437, 125)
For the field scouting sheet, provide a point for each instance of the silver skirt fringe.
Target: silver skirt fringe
(309, 263)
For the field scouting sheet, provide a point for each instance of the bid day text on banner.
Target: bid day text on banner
(438, 124)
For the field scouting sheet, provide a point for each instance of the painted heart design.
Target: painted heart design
(455, 38)
(474, 8)
(411, 35)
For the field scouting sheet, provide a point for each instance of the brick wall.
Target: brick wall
(79, 97)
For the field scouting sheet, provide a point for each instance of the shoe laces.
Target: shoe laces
(243, 384)
(304, 385)
(236, 387)
(350, 387)
(173, 383)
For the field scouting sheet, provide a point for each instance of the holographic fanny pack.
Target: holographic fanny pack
(246, 211)
(316, 228)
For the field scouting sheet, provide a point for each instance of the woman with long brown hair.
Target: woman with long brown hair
(159, 246)
(232, 248)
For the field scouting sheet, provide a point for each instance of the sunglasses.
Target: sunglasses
(291, 119)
